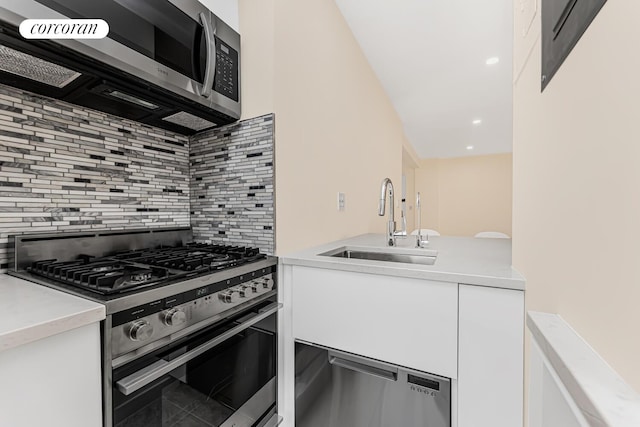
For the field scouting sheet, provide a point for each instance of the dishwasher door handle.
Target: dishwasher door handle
(362, 367)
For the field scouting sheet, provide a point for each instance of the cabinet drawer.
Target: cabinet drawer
(408, 322)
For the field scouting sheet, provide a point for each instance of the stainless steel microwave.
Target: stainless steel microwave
(167, 63)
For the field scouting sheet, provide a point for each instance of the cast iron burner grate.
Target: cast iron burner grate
(101, 276)
(125, 271)
(194, 257)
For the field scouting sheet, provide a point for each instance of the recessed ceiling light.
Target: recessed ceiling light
(493, 61)
(477, 121)
(469, 147)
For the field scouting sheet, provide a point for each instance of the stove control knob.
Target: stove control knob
(229, 296)
(267, 283)
(140, 330)
(256, 286)
(242, 291)
(174, 316)
(246, 291)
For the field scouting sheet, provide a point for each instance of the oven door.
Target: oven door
(223, 376)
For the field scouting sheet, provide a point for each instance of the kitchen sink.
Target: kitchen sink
(413, 257)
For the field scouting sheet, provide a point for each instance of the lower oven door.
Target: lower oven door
(224, 376)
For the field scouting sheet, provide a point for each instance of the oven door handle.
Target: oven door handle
(149, 374)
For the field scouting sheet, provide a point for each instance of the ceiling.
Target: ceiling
(430, 56)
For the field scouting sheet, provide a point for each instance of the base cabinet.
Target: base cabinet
(470, 334)
(53, 382)
(407, 322)
(490, 360)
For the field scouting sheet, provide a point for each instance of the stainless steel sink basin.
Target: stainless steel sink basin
(428, 258)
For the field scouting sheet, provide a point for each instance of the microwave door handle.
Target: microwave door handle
(149, 374)
(210, 66)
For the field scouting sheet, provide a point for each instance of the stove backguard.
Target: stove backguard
(28, 248)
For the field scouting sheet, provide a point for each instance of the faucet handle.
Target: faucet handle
(402, 233)
(421, 243)
(404, 224)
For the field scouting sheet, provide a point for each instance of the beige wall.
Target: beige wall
(410, 162)
(257, 29)
(409, 172)
(335, 127)
(576, 218)
(465, 195)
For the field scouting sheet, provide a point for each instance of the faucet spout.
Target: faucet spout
(381, 206)
(387, 188)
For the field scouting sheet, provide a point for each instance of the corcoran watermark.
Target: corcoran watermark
(64, 28)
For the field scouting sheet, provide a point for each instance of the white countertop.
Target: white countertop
(29, 312)
(468, 260)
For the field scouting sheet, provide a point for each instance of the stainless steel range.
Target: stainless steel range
(190, 334)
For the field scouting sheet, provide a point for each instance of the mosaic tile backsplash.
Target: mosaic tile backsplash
(232, 184)
(64, 167)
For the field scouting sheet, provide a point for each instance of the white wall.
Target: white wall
(227, 10)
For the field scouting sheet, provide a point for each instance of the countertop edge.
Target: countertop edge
(38, 331)
(31, 312)
(442, 276)
(505, 277)
(599, 392)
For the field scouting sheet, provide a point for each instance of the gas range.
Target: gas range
(154, 283)
(169, 301)
(126, 269)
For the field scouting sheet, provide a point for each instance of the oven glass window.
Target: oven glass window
(233, 384)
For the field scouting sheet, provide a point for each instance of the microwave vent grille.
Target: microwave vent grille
(189, 121)
(24, 65)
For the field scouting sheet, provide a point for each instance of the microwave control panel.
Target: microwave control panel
(227, 75)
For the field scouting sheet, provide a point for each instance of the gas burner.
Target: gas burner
(127, 276)
(140, 277)
(130, 277)
(197, 253)
(193, 254)
(103, 268)
(213, 257)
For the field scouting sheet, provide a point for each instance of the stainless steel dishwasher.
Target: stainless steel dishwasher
(337, 389)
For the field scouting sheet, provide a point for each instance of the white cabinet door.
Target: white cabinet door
(53, 382)
(408, 322)
(490, 361)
